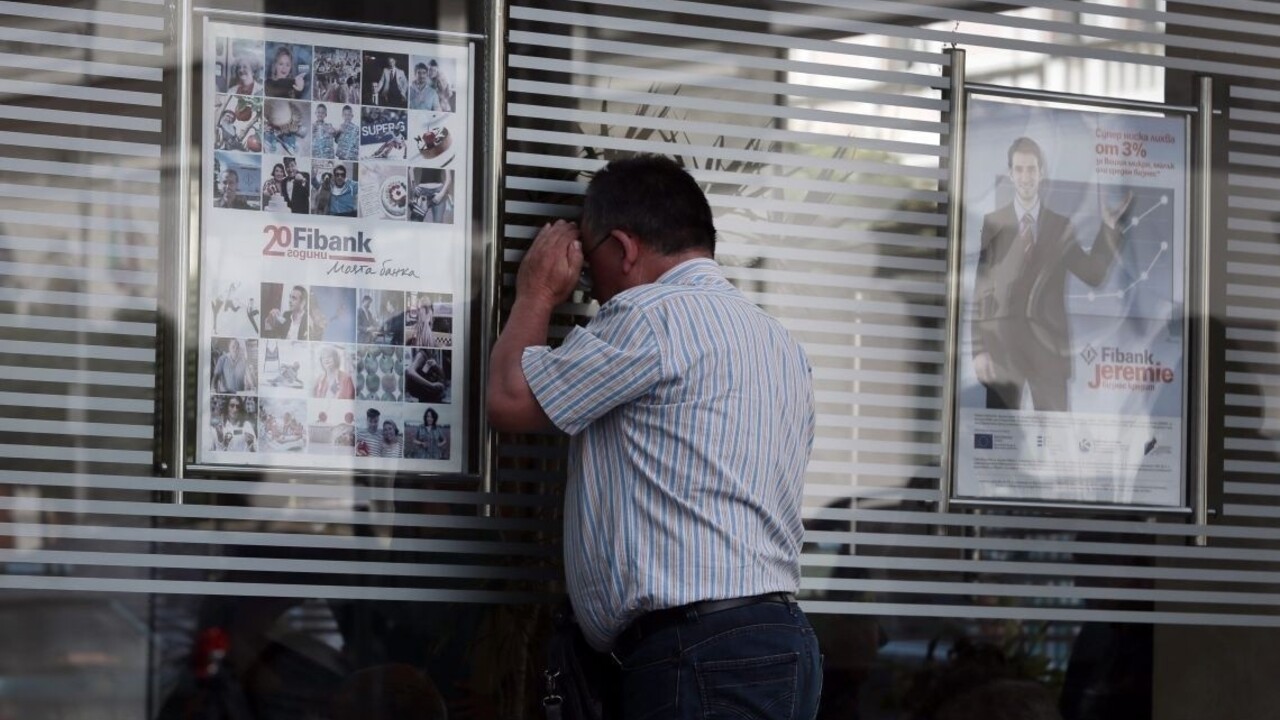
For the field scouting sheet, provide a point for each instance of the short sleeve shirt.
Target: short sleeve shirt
(691, 416)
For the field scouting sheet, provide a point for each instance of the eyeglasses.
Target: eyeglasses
(584, 279)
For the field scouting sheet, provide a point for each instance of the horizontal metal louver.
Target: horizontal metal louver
(818, 130)
(87, 258)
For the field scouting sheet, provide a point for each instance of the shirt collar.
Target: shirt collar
(1020, 211)
(698, 271)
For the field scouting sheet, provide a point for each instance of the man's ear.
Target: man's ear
(630, 245)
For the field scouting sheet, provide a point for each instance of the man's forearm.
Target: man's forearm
(511, 403)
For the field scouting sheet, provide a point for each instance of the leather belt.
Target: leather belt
(652, 622)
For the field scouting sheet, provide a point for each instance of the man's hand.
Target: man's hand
(985, 368)
(1111, 215)
(548, 274)
(549, 271)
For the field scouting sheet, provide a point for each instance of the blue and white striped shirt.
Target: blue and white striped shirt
(692, 419)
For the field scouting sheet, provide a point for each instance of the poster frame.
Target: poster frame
(1193, 476)
(182, 427)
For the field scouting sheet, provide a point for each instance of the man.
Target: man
(367, 324)
(323, 135)
(231, 372)
(390, 89)
(230, 197)
(343, 193)
(348, 135)
(369, 437)
(1021, 331)
(682, 511)
(297, 187)
(292, 324)
(422, 92)
(237, 433)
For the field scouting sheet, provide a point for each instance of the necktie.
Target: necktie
(1026, 231)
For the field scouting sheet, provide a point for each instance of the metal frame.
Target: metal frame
(1204, 233)
(490, 250)
(959, 130)
(1195, 480)
(486, 214)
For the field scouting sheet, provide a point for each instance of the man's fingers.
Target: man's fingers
(1128, 200)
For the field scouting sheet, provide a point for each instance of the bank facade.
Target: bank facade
(254, 255)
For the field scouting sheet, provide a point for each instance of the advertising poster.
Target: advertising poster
(1071, 372)
(334, 244)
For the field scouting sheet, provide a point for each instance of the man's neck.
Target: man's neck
(1021, 208)
(656, 265)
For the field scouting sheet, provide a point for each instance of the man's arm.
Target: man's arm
(1093, 267)
(548, 274)
(982, 287)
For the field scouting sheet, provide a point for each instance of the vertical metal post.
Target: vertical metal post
(955, 220)
(1203, 240)
(492, 245)
(183, 268)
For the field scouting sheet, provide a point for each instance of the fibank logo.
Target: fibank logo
(306, 243)
(1121, 369)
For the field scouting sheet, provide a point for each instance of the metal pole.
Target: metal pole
(1203, 237)
(492, 246)
(955, 220)
(178, 346)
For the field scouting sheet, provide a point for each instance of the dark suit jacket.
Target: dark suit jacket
(1020, 310)
(281, 330)
(300, 199)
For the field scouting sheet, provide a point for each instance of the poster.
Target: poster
(1071, 372)
(334, 249)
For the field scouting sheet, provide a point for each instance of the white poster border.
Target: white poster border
(461, 48)
(960, 286)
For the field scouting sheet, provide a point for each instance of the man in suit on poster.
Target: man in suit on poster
(297, 188)
(1021, 331)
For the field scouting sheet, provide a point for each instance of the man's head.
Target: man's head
(297, 299)
(290, 167)
(230, 183)
(235, 409)
(391, 61)
(1026, 169)
(347, 113)
(340, 175)
(420, 73)
(372, 418)
(641, 216)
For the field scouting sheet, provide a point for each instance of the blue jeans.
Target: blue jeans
(757, 662)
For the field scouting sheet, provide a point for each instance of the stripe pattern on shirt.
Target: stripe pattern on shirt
(692, 419)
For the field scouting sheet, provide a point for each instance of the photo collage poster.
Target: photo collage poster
(334, 251)
(1071, 363)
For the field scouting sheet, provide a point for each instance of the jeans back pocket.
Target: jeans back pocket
(757, 688)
